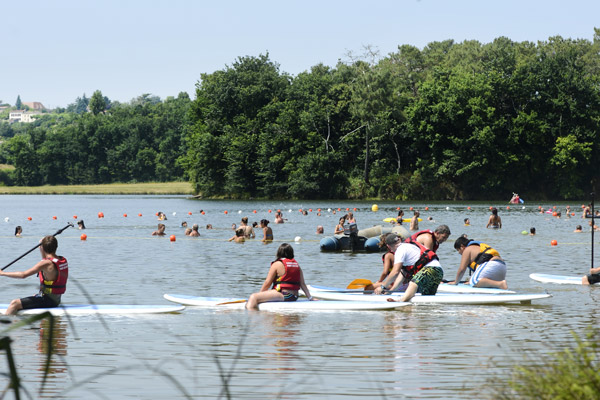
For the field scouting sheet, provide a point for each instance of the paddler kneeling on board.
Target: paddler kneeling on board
(413, 263)
(489, 270)
(286, 278)
(53, 272)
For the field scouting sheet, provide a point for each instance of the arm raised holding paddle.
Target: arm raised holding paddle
(53, 272)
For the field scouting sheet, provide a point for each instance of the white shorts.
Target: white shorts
(493, 270)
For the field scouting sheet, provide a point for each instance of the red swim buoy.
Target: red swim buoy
(172, 238)
(554, 243)
(189, 213)
(54, 217)
(28, 218)
(83, 236)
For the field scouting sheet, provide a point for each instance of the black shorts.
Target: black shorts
(38, 301)
(593, 278)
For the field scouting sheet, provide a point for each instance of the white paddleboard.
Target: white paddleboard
(560, 279)
(440, 298)
(299, 305)
(443, 288)
(90, 309)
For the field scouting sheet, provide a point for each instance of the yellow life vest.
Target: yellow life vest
(486, 253)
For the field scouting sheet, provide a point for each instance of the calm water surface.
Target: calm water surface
(421, 351)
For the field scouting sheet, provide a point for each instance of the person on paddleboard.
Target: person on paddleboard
(415, 264)
(488, 268)
(283, 281)
(592, 278)
(388, 264)
(431, 239)
(53, 272)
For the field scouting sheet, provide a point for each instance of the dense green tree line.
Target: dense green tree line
(449, 121)
(135, 142)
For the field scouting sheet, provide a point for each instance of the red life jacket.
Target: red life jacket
(414, 236)
(291, 279)
(58, 286)
(426, 257)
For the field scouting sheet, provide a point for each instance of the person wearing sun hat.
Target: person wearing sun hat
(413, 263)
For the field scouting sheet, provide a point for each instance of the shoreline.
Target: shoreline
(111, 188)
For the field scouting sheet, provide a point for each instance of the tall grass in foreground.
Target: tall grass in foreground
(573, 373)
(110, 188)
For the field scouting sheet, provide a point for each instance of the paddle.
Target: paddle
(359, 284)
(232, 302)
(58, 232)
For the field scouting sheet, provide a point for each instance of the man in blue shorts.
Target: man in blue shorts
(488, 268)
(53, 272)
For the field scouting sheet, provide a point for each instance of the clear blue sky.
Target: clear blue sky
(54, 51)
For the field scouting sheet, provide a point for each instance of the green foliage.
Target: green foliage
(19, 103)
(97, 103)
(573, 373)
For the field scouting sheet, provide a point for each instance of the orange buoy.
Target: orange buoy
(54, 217)
(172, 238)
(354, 209)
(254, 211)
(202, 213)
(508, 207)
(468, 208)
(310, 210)
(554, 243)
(140, 214)
(189, 213)
(74, 216)
(426, 208)
(269, 211)
(410, 208)
(225, 212)
(554, 214)
(83, 236)
(573, 214)
(100, 215)
(28, 218)
(125, 215)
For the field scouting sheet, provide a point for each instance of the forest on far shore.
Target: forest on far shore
(450, 121)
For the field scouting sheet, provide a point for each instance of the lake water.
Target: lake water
(420, 351)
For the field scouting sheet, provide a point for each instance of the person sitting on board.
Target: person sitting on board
(238, 237)
(431, 239)
(414, 222)
(267, 231)
(248, 231)
(283, 281)
(339, 229)
(194, 232)
(495, 222)
(160, 231)
(592, 278)
(388, 264)
(53, 272)
(489, 270)
(578, 229)
(415, 264)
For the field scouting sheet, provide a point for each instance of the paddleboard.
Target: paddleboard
(299, 305)
(390, 219)
(443, 288)
(560, 279)
(90, 309)
(441, 298)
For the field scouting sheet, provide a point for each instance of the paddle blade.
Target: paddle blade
(232, 302)
(359, 284)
